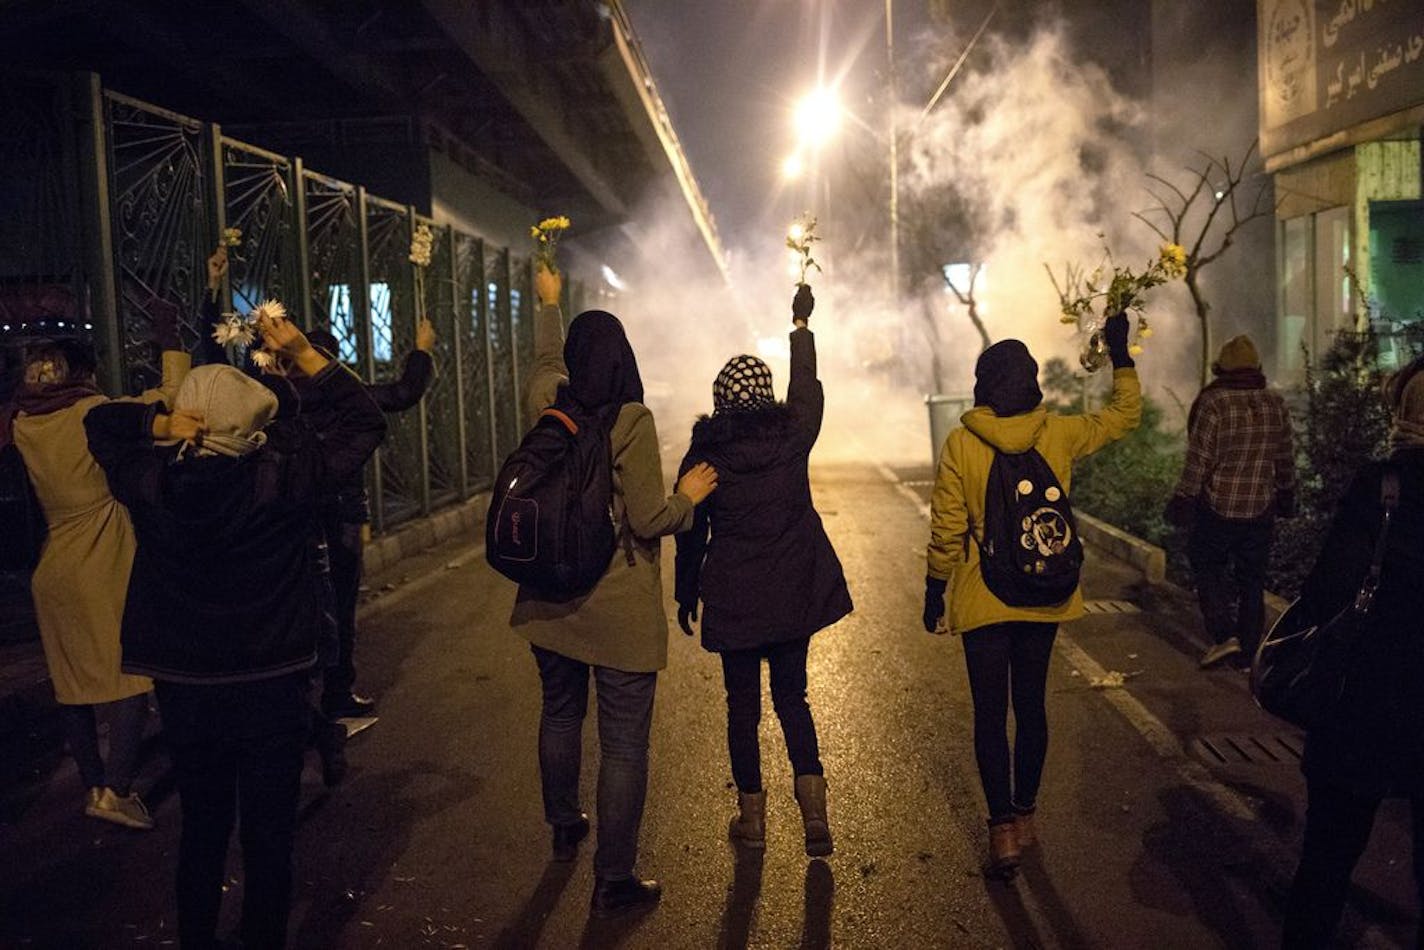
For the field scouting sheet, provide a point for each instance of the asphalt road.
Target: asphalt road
(1169, 817)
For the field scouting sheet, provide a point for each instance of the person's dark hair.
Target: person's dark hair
(60, 361)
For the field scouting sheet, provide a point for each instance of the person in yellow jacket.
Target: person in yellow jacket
(1005, 644)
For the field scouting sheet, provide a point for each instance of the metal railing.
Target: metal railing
(159, 188)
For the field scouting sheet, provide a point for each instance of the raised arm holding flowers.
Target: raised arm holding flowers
(1088, 301)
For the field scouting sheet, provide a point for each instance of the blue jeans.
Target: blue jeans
(625, 717)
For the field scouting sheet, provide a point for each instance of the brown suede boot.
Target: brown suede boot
(749, 827)
(1024, 830)
(811, 796)
(1004, 851)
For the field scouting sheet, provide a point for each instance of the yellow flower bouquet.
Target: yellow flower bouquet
(1086, 300)
(546, 236)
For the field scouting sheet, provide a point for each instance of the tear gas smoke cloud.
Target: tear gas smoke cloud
(1038, 146)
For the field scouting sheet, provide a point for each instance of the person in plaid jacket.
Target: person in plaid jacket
(1238, 478)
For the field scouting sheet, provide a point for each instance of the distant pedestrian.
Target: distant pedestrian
(223, 609)
(1372, 743)
(1238, 478)
(82, 578)
(767, 575)
(1006, 645)
(618, 630)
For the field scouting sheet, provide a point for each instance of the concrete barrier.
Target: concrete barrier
(1147, 558)
(1151, 560)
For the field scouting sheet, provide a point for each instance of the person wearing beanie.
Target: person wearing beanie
(1372, 744)
(346, 511)
(758, 558)
(1003, 643)
(222, 613)
(1239, 476)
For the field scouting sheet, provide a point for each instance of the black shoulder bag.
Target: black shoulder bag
(1299, 671)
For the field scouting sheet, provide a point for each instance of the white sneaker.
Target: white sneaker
(127, 810)
(1228, 647)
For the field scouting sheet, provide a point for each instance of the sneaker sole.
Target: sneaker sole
(117, 819)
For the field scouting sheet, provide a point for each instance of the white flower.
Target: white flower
(271, 309)
(421, 244)
(263, 358)
(233, 331)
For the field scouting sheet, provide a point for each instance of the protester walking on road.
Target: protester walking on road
(618, 630)
(1372, 743)
(758, 558)
(346, 511)
(1011, 454)
(82, 578)
(224, 610)
(1238, 478)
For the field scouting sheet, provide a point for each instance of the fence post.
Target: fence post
(97, 223)
(361, 315)
(483, 297)
(417, 294)
(457, 352)
(299, 230)
(508, 307)
(219, 196)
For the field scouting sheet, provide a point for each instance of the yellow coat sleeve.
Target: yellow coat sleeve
(949, 518)
(1087, 433)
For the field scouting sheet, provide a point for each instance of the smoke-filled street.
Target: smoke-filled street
(436, 836)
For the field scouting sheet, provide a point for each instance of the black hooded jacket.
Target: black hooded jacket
(1374, 739)
(757, 554)
(222, 589)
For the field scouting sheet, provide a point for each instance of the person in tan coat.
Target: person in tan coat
(82, 579)
(618, 629)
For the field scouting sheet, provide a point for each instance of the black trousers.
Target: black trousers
(343, 541)
(741, 673)
(1337, 829)
(1007, 659)
(1229, 560)
(237, 754)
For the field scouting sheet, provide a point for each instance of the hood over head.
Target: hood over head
(603, 372)
(1006, 379)
(235, 408)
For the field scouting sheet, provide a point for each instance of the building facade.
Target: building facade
(1341, 91)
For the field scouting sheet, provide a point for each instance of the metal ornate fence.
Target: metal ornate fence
(159, 188)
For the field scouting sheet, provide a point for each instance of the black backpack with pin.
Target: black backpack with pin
(1031, 555)
(550, 523)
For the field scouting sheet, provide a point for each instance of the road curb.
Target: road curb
(1151, 560)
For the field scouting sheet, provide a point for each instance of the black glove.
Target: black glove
(803, 303)
(1181, 511)
(934, 602)
(1285, 503)
(686, 613)
(1115, 335)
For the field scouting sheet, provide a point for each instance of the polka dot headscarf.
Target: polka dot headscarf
(743, 384)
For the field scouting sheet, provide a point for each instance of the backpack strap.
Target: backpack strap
(1389, 501)
(563, 417)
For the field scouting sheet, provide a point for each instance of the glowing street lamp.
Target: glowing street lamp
(818, 115)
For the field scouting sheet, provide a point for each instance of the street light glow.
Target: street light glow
(818, 115)
(792, 166)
